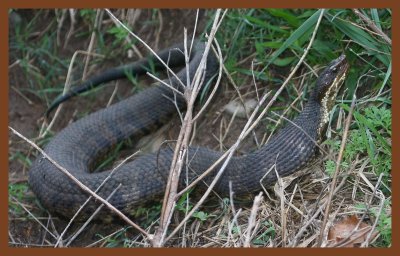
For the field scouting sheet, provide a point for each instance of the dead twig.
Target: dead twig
(336, 174)
(97, 24)
(119, 24)
(81, 185)
(66, 89)
(252, 219)
(117, 21)
(250, 125)
(89, 198)
(82, 228)
(190, 94)
(226, 156)
(72, 16)
(34, 217)
(373, 26)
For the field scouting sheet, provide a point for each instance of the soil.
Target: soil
(26, 111)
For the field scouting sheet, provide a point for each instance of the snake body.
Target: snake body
(144, 179)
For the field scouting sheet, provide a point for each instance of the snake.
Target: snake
(80, 145)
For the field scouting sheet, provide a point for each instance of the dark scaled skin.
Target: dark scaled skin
(142, 180)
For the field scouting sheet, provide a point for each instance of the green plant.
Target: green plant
(370, 138)
(184, 205)
(268, 233)
(17, 192)
(384, 224)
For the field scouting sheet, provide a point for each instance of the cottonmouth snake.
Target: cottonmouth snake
(78, 145)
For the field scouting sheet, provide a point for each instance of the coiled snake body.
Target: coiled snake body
(78, 145)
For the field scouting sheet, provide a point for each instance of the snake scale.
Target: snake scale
(78, 146)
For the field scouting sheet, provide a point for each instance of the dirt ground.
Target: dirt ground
(26, 112)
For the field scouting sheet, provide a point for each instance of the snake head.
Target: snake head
(331, 79)
(327, 87)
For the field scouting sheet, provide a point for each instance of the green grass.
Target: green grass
(17, 191)
(268, 233)
(184, 205)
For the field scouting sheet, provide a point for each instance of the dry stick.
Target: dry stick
(278, 122)
(190, 94)
(118, 23)
(282, 206)
(227, 129)
(60, 22)
(368, 238)
(72, 15)
(14, 64)
(90, 197)
(165, 83)
(290, 202)
(372, 25)
(221, 66)
(230, 226)
(245, 132)
(194, 30)
(254, 80)
(81, 185)
(34, 217)
(160, 29)
(11, 237)
(22, 95)
(234, 213)
(250, 125)
(219, 54)
(248, 129)
(252, 219)
(361, 233)
(337, 169)
(115, 19)
(241, 98)
(50, 222)
(97, 23)
(91, 218)
(104, 238)
(304, 227)
(187, 59)
(113, 94)
(176, 167)
(66, 88)
(346, 239)
(231, 199)
(302, 130)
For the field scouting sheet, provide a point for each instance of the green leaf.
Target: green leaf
(375, 17)
(273, 45)
(325, 49)
(361, 119)
(286, 15)
(284, 61)
(304, 28)
(201, 215)
(266, 25)
(364, 39)
(388, 74)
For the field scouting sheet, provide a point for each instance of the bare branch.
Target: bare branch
(81, 185)
(335, 175)
(252, 219)
(373, 26)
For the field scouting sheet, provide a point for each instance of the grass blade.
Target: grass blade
(304, 28)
